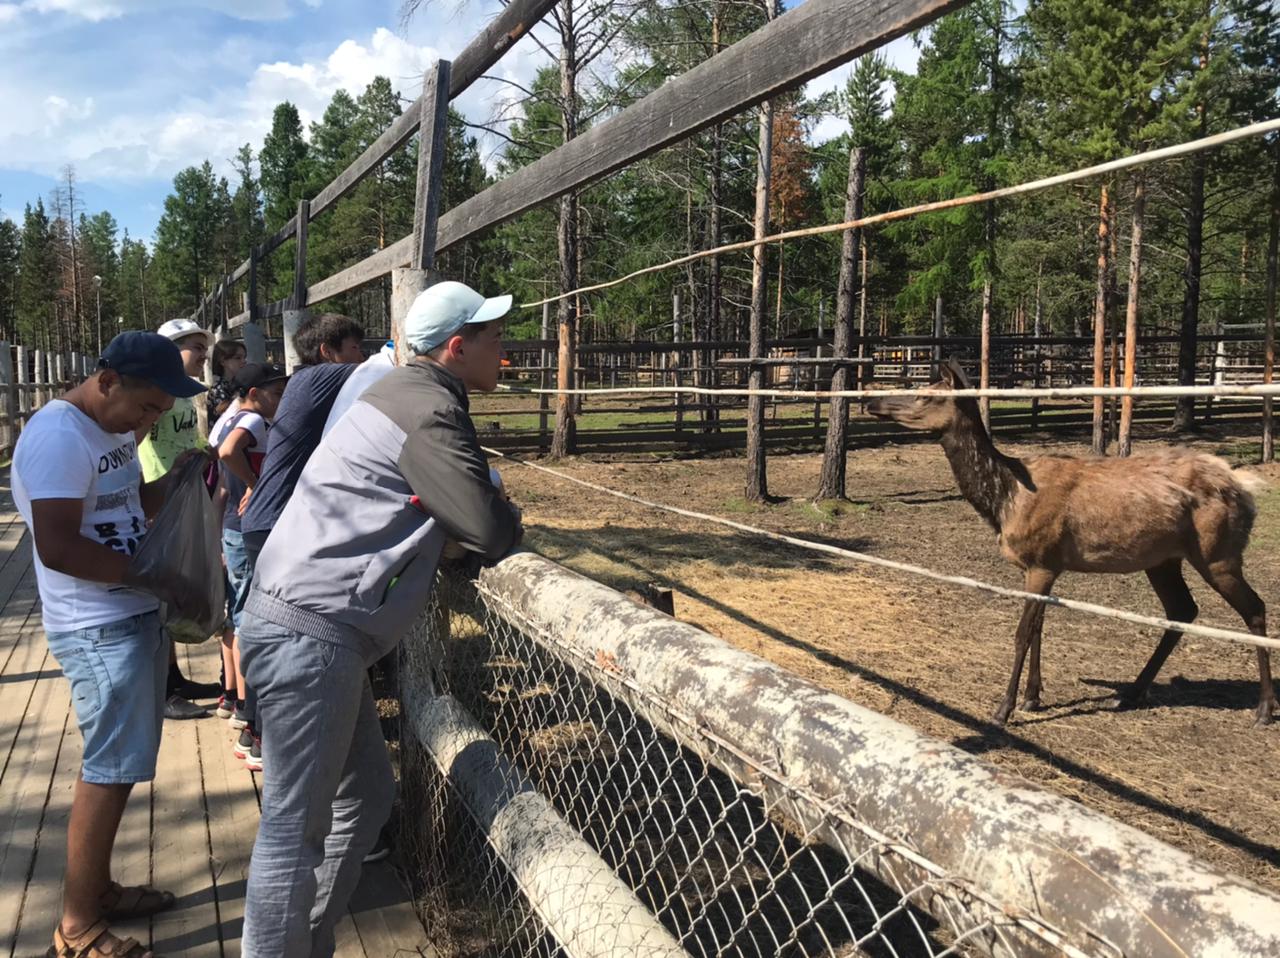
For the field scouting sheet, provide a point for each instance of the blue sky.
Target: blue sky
(131, 91)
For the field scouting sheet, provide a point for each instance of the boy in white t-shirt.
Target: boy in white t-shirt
(78, 485)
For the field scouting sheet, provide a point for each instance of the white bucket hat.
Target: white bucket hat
(176, 329)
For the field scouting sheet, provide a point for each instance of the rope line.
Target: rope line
(1102, 611)
(1033, 186)
(1239, 391)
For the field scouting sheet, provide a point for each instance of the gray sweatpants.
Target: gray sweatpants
(327, 788)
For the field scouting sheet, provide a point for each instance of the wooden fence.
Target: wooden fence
(665, 422)
(29, 378)
(803, 43)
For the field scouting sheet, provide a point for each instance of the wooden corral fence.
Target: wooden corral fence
(609, 424)
(29, 378)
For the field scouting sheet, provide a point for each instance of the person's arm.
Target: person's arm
(56, 468)
(444, 466)
(234, 452)
(55, 526)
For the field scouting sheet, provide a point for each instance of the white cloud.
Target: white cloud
(54, 129)
(9, 12)
(59, 110)
(96, 11)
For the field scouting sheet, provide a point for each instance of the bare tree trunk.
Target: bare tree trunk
(77, 307)
(717, 160)
(781, 256)
(831, 481)
(862, 301)
(1185, 416)
(989, 219)
(1273, 254)
(564, 441)
(984, 370)
(1113, 333)
(757, 484)
(939, 330)
(1100, 317)
(1131, 318)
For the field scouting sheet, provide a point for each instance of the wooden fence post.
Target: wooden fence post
(544, 381)
(255, 342)
(295, 311)
(11, 424)
(38, 393)
(24, 393)
(406, 284)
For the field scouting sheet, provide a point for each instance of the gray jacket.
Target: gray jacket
(353, 557)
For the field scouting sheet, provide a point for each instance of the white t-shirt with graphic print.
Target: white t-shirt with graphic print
(63, 454)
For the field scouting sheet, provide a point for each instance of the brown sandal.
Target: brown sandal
(97, 942)
(137, 901)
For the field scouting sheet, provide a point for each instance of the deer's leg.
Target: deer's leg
(1178, 604)
(1041, 582)
(1035, 685)
(1227, 579)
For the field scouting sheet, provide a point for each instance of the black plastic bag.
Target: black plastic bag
(180, 559)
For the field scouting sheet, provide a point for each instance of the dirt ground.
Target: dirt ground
(1190, 769)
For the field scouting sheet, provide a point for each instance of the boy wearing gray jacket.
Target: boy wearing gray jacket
(343, 576)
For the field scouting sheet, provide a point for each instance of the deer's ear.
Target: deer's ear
(953, 375)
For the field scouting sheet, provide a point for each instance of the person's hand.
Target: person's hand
(189, 598)
(204, 452)
(244, 502)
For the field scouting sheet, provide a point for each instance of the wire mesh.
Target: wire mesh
(730, 858)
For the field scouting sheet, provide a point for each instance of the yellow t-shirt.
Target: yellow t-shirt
(173, 434)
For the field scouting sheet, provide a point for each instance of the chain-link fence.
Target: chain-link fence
(558, 800)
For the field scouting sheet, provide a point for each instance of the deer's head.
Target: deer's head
(924, 410)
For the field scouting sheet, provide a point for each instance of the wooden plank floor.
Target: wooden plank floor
(190, 831)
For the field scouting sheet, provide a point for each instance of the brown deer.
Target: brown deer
(1055, 514)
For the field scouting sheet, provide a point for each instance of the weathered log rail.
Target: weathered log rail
(652, 738)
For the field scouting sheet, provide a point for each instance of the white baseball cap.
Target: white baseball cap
(443, 309)
(176, 329)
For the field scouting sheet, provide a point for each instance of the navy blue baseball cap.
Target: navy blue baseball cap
(152, 357)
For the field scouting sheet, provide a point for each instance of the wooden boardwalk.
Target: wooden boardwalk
(190, 831)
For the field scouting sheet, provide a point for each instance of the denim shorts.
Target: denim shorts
(239, 574)
(117, 673)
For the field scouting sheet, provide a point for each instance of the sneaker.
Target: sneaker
(239, 719)
(244, 744)
(380, 850)
(178, 708)
(226, 706)
(253, 761)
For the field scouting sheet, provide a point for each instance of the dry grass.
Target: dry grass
(1189, 770)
